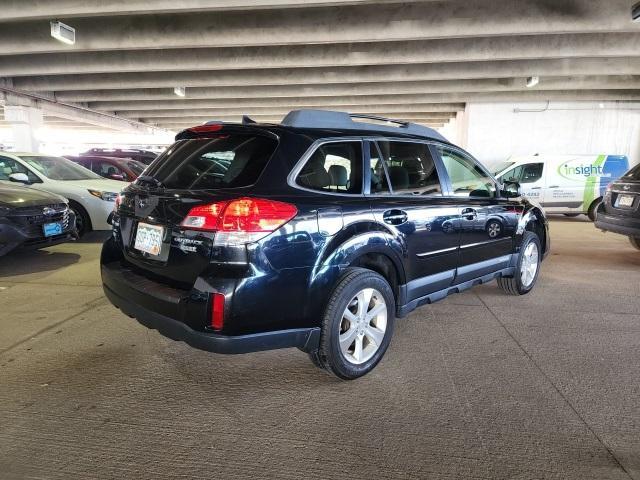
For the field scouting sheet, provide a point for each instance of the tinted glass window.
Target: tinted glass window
(529, 173)
(334, 167)
(379, 178)
(9, 166)
(410, 168)
(467, 178)
(136, 167)
(228, 161)
(633, 174)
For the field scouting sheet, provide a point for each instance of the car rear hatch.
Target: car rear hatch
(623, 195)
(167, 219)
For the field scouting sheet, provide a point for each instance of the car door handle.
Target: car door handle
(554, 186)
(469, 214)
(536, 188)
(395, 217)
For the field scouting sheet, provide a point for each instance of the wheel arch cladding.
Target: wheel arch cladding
(534, 221)
(383, 265)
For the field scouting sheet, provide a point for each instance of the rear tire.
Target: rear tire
(527, 267)
(635, 242)
(593, 208)
(357, 325)
(83, 221)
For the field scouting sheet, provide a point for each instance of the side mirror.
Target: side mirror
(19, 178)
(511, 189)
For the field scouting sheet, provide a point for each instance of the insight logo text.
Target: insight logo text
(586, 170)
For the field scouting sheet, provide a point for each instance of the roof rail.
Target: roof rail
(342, 120)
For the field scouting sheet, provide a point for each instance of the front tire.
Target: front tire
(527, 267)
(83, 221)
(635, 242)
(357, 325)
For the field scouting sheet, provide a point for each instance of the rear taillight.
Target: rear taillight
(240, 221)
(209, 128)
(217, 311)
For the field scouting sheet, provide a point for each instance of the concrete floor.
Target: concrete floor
(481, 385)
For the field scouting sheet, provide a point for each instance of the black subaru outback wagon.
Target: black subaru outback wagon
(314, 233)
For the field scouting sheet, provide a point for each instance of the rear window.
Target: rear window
(227, 161)
(633, 174)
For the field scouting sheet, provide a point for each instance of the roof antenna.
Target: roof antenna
(246, 120)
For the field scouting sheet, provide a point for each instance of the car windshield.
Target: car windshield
(58, 168)
(500, 167)
(136, 167)
(633, 174)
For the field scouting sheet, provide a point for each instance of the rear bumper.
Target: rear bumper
(618, 224)
(115, 284)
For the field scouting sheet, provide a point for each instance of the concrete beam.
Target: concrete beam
(362, 101)
(621, 82)
(333, 75)
(348, 24)
(9, 97)
(608, 45)
(22, 10)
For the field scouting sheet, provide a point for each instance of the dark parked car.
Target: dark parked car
(31, 218)
(619, 212)
(315, 233)
(142, 156)
(123, 169)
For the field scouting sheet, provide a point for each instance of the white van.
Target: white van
(568, 184)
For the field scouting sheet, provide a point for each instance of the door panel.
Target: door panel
(487, 224)
(406, 197)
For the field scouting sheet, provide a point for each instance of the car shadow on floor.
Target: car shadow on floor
(95, 237)
(30, 261)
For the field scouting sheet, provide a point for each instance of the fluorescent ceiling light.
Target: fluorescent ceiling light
(532, 81)
(63, 33)
(180, 91)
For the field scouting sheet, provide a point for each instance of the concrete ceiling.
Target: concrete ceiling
(419, 60)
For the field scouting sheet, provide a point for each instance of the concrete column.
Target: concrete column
(25, 121)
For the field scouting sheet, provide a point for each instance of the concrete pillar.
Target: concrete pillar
(25, 121)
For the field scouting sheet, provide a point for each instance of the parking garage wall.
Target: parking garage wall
(494, 132)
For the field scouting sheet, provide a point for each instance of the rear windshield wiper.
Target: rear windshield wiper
(149, 179)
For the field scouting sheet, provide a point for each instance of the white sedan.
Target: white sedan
(91, 196)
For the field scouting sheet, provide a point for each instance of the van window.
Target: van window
(334, 167)
(227, 161)
(410, 168)
(528, 173)
(467, 178)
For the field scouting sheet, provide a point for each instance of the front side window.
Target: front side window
(529, 173)
(9, 166)
(410, 168)
(467, 178)
(334, 167)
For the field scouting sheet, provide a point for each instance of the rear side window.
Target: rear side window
(228, 161)
(334, 167)
(633, 174)
(410, 169)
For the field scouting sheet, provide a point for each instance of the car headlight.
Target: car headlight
(106, 196)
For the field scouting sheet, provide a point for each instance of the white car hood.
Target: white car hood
(102, 184)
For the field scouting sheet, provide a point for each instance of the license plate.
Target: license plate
(149, 238)
(625, 200)
(51, 229)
